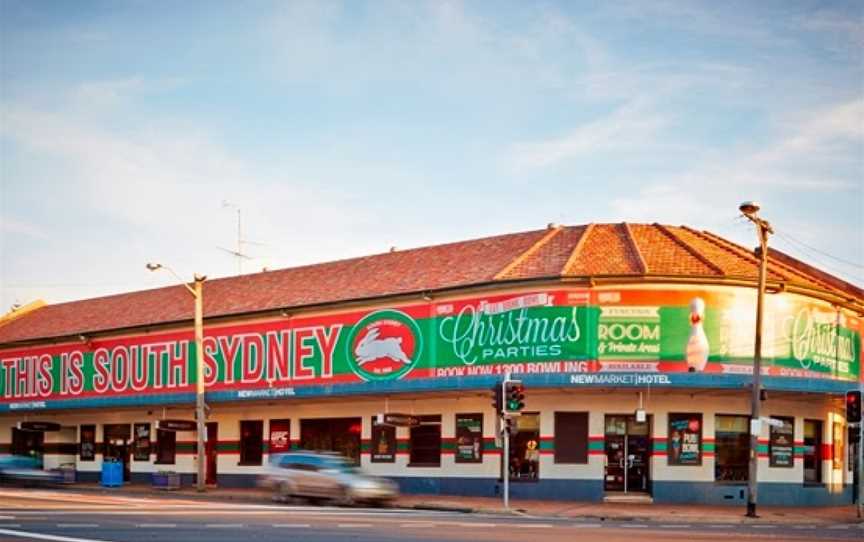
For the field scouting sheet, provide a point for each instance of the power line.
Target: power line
(814, 249)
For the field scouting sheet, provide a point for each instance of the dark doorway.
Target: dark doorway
(211, 452)
(812, 452)
(29, 443)
(117, 438)
(628, 454)
(340, 435)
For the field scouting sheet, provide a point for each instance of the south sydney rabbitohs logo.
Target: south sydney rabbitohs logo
(384, 345)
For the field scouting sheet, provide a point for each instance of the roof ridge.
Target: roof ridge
(689, 249)
(818, 272)
(577, 249)
(553, 231)
(632, 240)
(788, 269)
(728, 246)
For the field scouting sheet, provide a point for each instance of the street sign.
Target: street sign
(397, 420)
(38, 426)
(178, 425)
(771, 421)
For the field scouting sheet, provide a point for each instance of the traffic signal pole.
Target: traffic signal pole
(505, 428)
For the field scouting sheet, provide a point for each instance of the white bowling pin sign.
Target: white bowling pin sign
(697, 345)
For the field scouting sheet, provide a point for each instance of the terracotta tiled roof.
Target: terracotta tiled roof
(595, 250)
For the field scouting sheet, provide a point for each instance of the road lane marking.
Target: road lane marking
(588, 526)
(224, 525)
(77, 525)
(803, 526)
(476, 525)
(52, 537)
(417, 525)
(6, 517)
(9, 525)
(839, 526)
(764, 526)
(156, 525)
(674, 526)
(533, 525)
(291, 525)
(633, 526)
(353, 525)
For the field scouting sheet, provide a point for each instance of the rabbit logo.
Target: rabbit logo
(384, 345)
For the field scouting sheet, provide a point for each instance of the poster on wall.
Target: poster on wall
(383, 443)
(838, 446)
(469, 438)
(141, 442)
(88, 443)
(685, 439)
(781, 443)
(280, 436)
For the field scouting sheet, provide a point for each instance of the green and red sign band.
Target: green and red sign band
(565, 331)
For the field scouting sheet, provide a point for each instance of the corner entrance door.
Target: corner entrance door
(117, 438)
(211, 452)
(628, 450)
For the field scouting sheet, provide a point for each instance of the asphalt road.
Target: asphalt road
(66, 516)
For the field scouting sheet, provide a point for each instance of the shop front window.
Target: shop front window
(525, 448)
(732, 448)
(425, 444)
(812, 452)
(251, 442)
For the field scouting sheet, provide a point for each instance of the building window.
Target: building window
(251, 442)
(525, 448)
(781, 442)
(425, 443)
(571, 437)
(383, 445)
(685, 439)
(812, 452)
(469, 438)
(732, 448)
(340, 435)
(166, 447)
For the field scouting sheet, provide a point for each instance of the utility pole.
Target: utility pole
(197, 291)
(750, 210)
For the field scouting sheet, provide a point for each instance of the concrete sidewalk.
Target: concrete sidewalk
(559, 509)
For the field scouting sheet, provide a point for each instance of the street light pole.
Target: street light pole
(763, 229)
(197, 291)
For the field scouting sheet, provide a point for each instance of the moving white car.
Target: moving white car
(325, 477)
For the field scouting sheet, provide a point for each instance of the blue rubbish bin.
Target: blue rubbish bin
(112, 473)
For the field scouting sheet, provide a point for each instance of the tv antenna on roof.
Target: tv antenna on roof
(239, 253)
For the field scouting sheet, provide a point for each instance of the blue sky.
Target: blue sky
(345, 128)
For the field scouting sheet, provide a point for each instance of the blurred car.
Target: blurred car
(321, 476)
(25, 470)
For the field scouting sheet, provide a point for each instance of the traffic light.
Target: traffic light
(497, 399)
(853, 406)
(514, 397)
